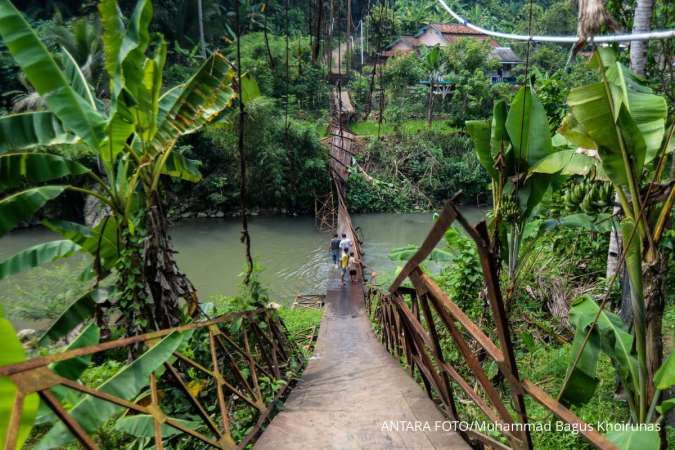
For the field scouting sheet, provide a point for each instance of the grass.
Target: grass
(300, 323)
(33, 299)
(413, 126)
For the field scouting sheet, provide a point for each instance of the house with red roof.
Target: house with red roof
(443, 34)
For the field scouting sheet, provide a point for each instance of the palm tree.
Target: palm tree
(642, 21)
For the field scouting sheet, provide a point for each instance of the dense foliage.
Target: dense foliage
(416, 171)
(130, 106)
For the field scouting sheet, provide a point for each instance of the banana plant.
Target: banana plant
(509, 147)
(624, 124)
(133, 136)
(13, 352)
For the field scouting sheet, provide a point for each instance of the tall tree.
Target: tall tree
(316, 44)
(642, 21)
(200, 19)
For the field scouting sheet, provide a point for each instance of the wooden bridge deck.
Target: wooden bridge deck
(352, 390)
(353, 394)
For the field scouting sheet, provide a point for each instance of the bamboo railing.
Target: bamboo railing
(229, 360)
(410, 321)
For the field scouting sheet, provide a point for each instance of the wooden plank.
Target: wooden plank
(157, 425)
(567, 416)
(469, 357)
(414, 324)
(70, 423)
(489, 412)
(459, 315)
(14, 422)
(84, 351)
(436, 234)
(438, 351)
(490, 274)
(491, 442)
(195, 402)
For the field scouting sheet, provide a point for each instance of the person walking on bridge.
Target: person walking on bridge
(353, 266)
(344, 266)
(335, 250)
(345, 244)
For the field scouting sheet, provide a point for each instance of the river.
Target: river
(292, 253)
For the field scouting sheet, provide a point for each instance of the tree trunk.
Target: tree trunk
(371, 85)
(267, 42)
(642, 21)
(200, 19)
(167, 284)
(317, 38)
(430, 102)
(349, 36)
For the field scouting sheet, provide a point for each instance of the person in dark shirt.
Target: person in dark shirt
(335, 250)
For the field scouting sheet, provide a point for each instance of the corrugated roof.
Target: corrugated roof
(410, 41)
(505, 54)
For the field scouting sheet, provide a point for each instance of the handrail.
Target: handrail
(251, 350)
(405, 334)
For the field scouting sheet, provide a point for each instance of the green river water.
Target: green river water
(292, 252)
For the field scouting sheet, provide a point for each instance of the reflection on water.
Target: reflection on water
(293, 254)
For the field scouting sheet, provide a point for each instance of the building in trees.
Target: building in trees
(442, 34)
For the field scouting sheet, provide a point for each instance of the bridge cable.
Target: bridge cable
(644, 36)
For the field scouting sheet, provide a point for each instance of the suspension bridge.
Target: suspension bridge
(353, 393)
(352, 389)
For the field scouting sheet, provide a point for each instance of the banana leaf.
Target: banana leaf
(36, 256)
(665, 406)
(76, 78)
(32, 129)
(249, 88)
(532, 192)
(48, 80)
(124, 60)
(22, 205)
(479, 130)
(148, 94)
(599, 223)
(13, 352)
(35, 168)
(143, 426)
(664, 378)
(78, 311)
(72, 231)
(592, 114)
(575, 134)
(178, 166)
(100, 241)
(406, 252)
(498, 133)
(91, 412)
(566, 162)
(648, 110)
(635, 439)
(167, 100)
(124, 48)
(201, 99)
(71, 369)
(609, 336)
(527, 127)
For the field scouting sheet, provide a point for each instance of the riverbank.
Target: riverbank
(293, 255)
